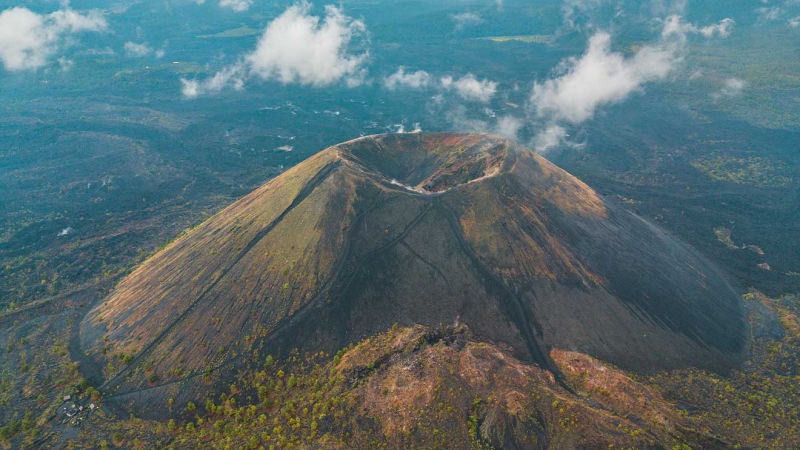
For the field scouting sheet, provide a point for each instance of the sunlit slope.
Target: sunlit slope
(416, 229)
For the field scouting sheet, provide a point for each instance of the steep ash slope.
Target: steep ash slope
(414, 229)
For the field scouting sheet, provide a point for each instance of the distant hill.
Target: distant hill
(412, 229)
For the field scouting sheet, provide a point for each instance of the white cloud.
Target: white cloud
(70, 21)
(668, 7)
(236, 5)
(108, 51)
(191, 88)
(136, 50)
(461, 118)
(675, 26)
(231, 76)
(470, 88)
(28, 40)
(65, 64)
(785, 10)
(466, 19)
(551, 137)
(722, 29)
(731, 87)
(603, 77)
(608, 14)
(576, 11)
(599, 77)
(467, 87)
(508, 126)
(773, 13)
(401, 128)
(414, 80)
(296, 47)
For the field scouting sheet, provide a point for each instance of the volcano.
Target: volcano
(415, 229)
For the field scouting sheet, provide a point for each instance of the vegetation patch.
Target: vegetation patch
(755, 407)
(754, 171)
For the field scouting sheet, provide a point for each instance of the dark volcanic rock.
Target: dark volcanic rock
(408, 229)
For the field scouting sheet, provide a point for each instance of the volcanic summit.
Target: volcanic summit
(416, 229)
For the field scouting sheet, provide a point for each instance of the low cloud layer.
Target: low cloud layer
(29, 40)
(296, 47)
